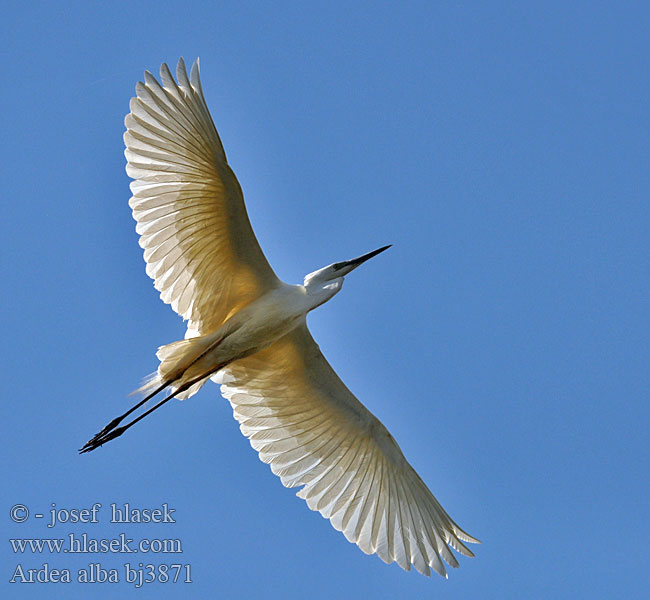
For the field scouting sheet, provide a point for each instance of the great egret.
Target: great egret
(247, 331)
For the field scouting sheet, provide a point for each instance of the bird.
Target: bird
(247, 331)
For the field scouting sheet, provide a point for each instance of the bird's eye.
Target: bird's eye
(337, 266)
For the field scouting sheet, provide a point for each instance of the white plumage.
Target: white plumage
(247, 330)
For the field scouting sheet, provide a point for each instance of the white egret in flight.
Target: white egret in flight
(247, 331)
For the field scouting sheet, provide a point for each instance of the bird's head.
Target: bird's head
(332, 275)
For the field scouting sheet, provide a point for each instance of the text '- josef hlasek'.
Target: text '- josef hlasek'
(114, 513)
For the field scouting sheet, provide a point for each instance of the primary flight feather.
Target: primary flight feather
(247, 331)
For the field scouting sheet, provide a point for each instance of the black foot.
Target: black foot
(105, 435)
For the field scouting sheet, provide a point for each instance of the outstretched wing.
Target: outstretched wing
(313, 432)
(198, 243)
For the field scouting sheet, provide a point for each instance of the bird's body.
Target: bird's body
(251, 329)
(247, 330)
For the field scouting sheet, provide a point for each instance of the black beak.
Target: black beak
(349, 265)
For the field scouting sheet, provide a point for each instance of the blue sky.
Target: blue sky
(500, 147)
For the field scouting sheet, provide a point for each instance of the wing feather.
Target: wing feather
(314, 433)
(198, 243)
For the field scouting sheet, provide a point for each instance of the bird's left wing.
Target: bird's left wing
(198, 243)
(313, 432)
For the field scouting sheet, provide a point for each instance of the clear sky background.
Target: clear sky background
(501, 147)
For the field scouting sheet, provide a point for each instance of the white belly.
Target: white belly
(261, 323)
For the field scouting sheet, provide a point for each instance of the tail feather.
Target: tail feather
(190, 391)
(154, 381)
(182, 362)
(176, 357)
(149, 384)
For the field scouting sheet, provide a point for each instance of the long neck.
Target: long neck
(320, 292)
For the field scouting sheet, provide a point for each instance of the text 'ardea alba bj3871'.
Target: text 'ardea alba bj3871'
(247, 331)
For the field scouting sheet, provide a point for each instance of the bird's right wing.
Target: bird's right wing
(198, 243)
(313, 432)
